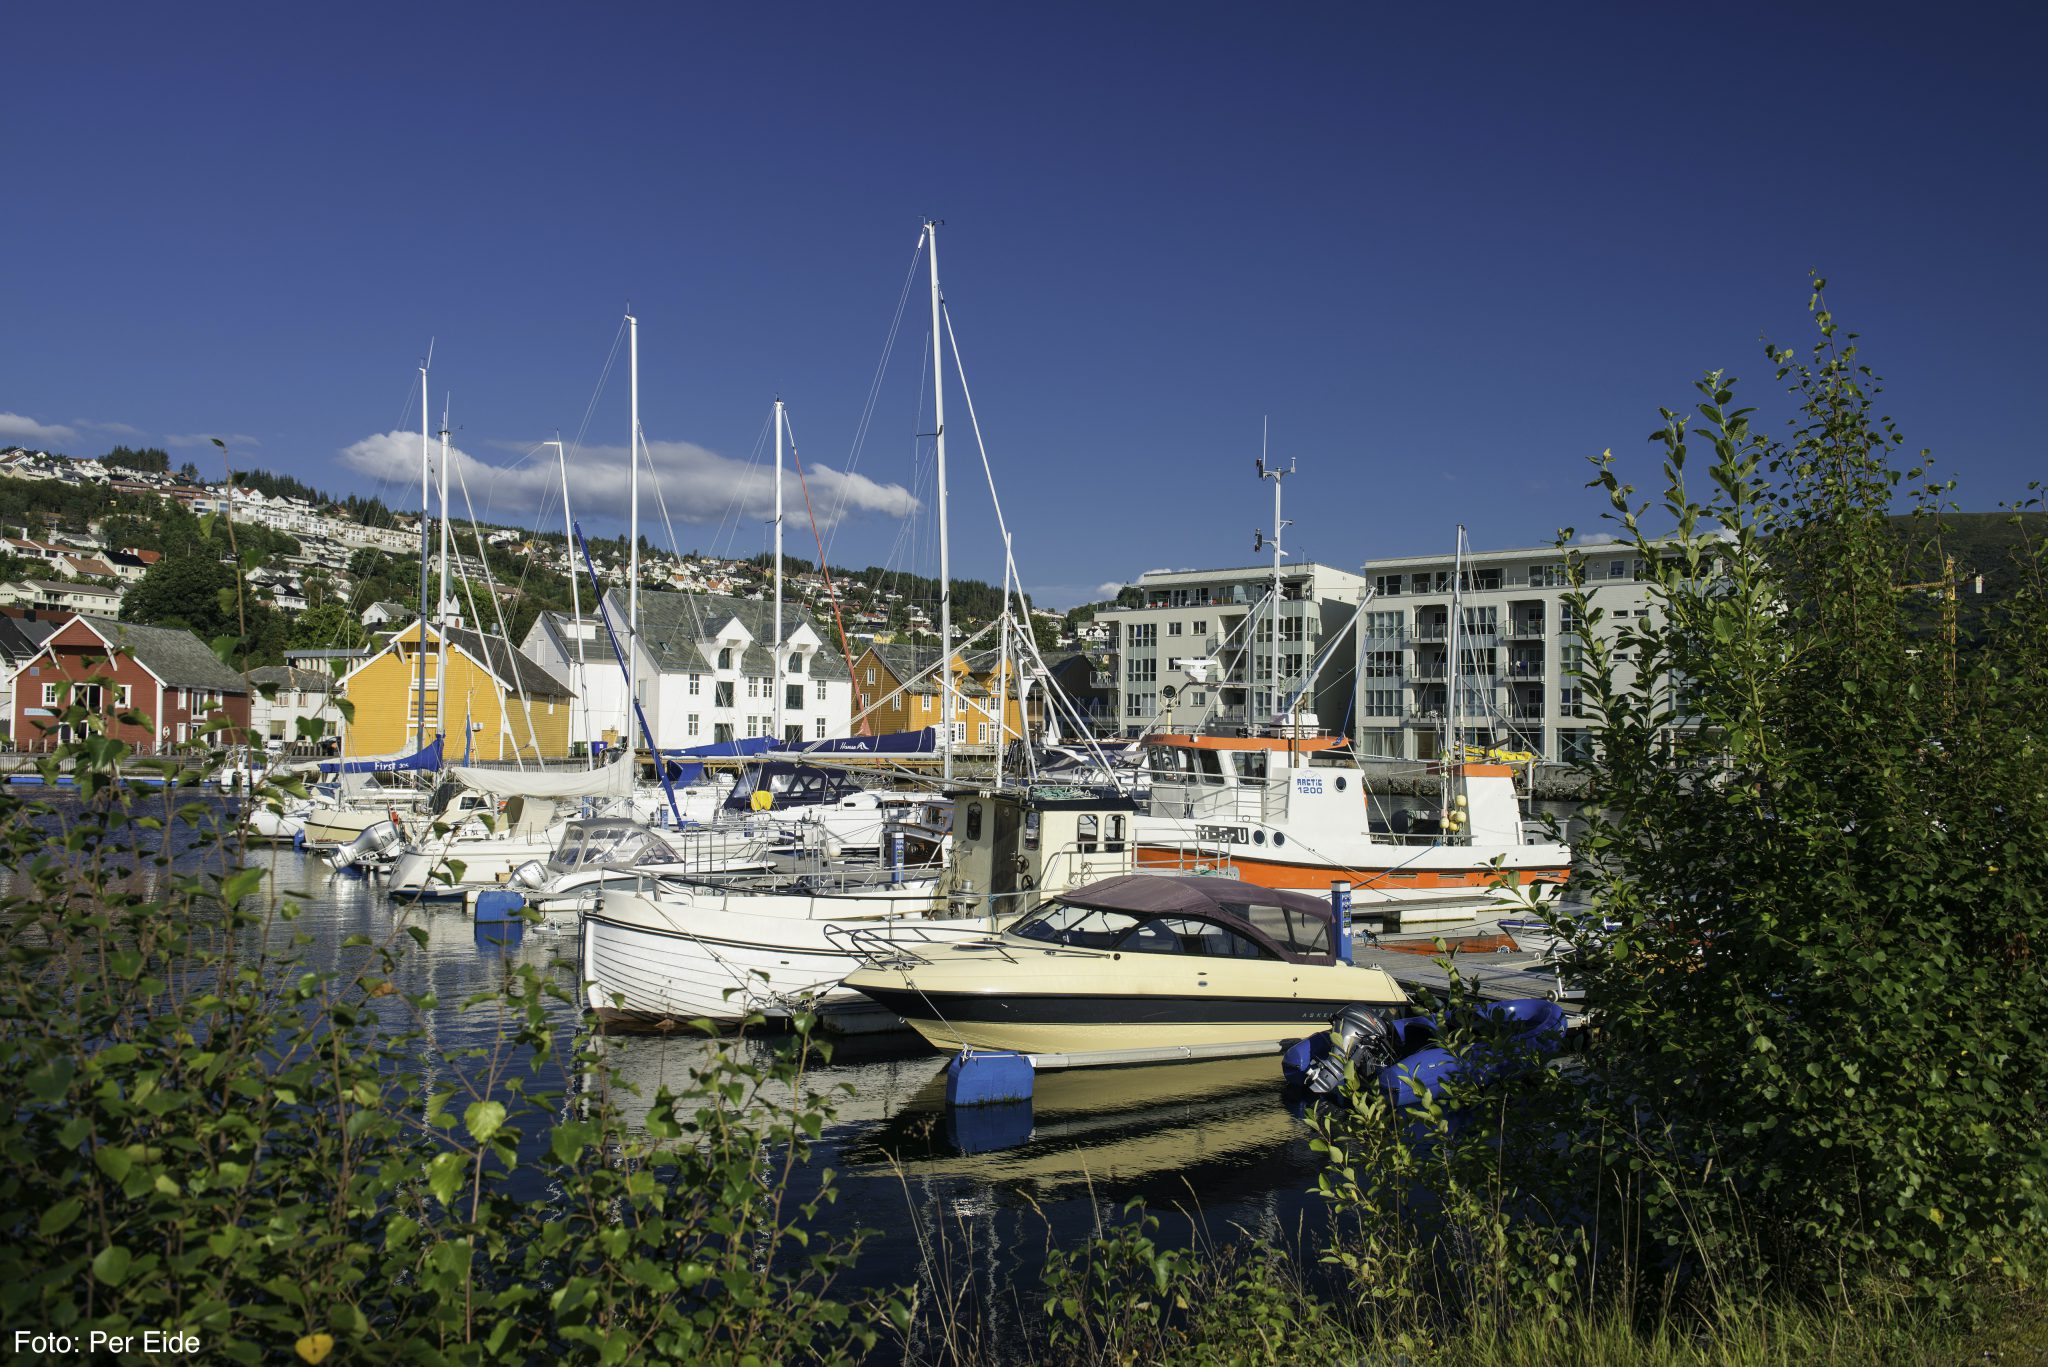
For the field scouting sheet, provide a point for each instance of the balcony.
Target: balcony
(1526, 631)
(1526, 669)
(1433, 631)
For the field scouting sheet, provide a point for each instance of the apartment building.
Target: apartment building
(1515, 682)
(1200, 646)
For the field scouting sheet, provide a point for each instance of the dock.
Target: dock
(1489, 974)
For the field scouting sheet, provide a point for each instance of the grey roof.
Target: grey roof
(174, 655)
(672, 625)
(524, 675)
(284, 676)
(20, 638)
(394, 611)
(99, 590)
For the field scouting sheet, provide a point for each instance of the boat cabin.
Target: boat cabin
(1011, 844)
(1208, 917)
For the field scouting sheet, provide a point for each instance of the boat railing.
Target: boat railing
(1209, 801)
(897, 945)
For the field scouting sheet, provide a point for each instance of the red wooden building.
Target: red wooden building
(167, 675)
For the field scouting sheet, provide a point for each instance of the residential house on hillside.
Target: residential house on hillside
(49, 595)
(513, 707)
(168, 676)
(131, 564)
(385, 613)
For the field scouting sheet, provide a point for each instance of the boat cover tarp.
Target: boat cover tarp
(427, 756)
(610, 780)
(687, 766)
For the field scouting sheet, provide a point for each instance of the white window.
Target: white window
(1144, 633)
(50, 694)
(871, 675)
(1173, 628)
(1144, 671)
(691, 727)
(959, 733)
(820, 690)
(696, 687)
(796, 664)
(821, 728)
(981, 734)
(725, 658)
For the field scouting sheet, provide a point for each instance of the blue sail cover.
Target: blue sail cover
(427, 756)
(687, 766)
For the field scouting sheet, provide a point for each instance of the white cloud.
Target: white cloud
(699, 486)
(112, 429)
(1596, 539)
(14, 427)
(233, 439)
(1109, 590)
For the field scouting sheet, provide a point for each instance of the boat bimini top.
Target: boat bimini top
(1167, 914)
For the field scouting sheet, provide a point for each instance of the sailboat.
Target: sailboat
(664, 953)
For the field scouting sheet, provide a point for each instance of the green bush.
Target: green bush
(203, 1133)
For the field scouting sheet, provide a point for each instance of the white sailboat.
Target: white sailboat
(668, 954)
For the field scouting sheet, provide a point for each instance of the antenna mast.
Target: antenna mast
(1269, 701)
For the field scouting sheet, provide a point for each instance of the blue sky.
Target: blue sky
(1449, 255)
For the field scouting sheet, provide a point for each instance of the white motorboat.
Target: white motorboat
(664, 954)
(603, 854)
(1140, 968)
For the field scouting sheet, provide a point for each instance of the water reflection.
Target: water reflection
(1211, 1138)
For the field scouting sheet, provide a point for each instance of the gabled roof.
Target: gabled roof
(21, 639)
(508, 666)
(672, 625)
(904, 662)
(176, 656)
(286, 677)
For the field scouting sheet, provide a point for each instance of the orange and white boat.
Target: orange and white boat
(1294, 812)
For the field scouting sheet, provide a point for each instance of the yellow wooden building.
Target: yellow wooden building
(900, 690)
(514, 707)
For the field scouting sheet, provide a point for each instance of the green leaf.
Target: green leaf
(483, 1119)
(52, 1080)
(444, 1176)
(111, 1264)
(59, 1216)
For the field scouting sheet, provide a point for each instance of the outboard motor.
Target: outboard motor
(373, 844)
(531, 875)
(1359, 1037)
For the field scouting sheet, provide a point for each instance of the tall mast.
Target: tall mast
(780, 428)
(1455, 681)
(1276, 474)
(575, 593)
(441, 609)
(931, 237)
(633, 533)
(420, 710)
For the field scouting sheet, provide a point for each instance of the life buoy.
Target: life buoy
(762, 800)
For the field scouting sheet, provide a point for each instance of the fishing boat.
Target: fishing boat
(1295, 812)
(1138, 968)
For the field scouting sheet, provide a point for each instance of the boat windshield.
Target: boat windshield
(1190, 935)
(1299, 931)
(1089, 927)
